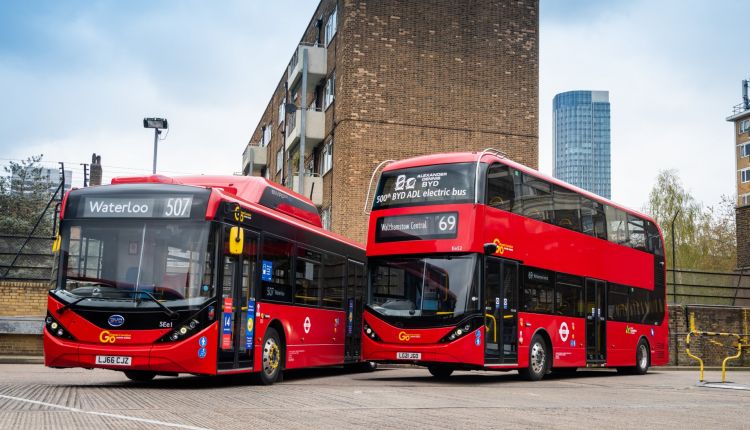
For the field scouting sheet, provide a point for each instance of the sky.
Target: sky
(78, 77)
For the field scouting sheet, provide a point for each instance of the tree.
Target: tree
(704, 237)
(24, 193)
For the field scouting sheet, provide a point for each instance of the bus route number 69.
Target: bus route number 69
(447, 223)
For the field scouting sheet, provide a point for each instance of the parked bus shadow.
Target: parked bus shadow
(191, 382)
(493, 377)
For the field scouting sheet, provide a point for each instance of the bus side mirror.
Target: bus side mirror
(56, 244)
(236, 240)
(490, 248)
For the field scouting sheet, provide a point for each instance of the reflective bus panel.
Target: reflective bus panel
(538, 276)
(148, 283)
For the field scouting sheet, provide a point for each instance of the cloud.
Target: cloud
(78, 78)
(673, 74)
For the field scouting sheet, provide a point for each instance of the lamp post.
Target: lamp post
(158, 124)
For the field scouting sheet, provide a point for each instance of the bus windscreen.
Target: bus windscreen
(427, 185)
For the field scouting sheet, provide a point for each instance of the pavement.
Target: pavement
(35, 397)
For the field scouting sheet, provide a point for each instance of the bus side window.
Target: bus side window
(308, 277)
(569, 295)
(567, 205)
(276, 270)
(538, 291)
(617, 301)
(501, 190)
(537, 198)
(617, 225)
(636, 232)
(653, 239)
(592, 218)
(333, 281)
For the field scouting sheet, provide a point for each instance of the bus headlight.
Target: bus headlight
(370, 332)
(56, 329)
(190, 326)
(462, 330)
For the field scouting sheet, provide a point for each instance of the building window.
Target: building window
(745, 175)
(745, 199)
(267, 134)
(330, 90)
(744, 126)
(331, 25)
(326, 157)
(279, 160)
(325, 218)
(745, 150)
(282, 113)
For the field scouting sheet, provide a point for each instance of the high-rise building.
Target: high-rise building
(741, 120)
(581, 140)
(390, 79)
(49, 176)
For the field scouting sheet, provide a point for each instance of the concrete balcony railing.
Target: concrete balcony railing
(254, 159)
(316, 66)
(313, 188)
(314, 129)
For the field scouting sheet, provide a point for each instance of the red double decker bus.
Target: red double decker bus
(477, 262)
(201, 275)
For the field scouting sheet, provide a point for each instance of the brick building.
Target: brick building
(391, 79)
(740, 118)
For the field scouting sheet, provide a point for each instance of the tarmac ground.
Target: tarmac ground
(35, 397)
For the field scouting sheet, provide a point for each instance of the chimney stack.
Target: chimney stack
(96, 170)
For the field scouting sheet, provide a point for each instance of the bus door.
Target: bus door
(354, 305)
(596, 322)
(501, 311)
(237, 304)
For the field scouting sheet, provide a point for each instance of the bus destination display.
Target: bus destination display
(440, 225)
(126, 207)
(438, 184)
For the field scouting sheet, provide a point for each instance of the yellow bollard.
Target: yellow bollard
(724, 363)
(687, 350)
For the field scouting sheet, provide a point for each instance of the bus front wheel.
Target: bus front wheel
(440, 372)
(273, 351)
(538, 360)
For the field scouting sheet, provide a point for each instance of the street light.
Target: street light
(158, 124)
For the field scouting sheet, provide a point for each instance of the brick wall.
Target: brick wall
(18, 298)
(21, 344)
(707, 318)
(417, 77)
(743, 236)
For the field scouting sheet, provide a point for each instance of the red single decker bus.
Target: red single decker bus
(202, 275)
(477, 262)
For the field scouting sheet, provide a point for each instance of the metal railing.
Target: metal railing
(693, 287)
(33, 263)
(710, 336)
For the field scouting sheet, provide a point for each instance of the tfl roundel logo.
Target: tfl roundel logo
(116, 320)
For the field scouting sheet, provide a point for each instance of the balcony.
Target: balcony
(314, 129)
(316, 66)
(313, 188)
(254, 159)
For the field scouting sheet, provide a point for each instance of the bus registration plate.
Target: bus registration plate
(408, 356)
(113, 360)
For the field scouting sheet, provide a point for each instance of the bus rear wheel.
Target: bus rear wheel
(440, 372)
(538, 360)
(139, 375)
(273, 351)
(642, 360)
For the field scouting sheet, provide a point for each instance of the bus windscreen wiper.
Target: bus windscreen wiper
(172, 314)
(71, 305)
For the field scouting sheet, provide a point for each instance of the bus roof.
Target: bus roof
(465, 157)
(251, 189)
